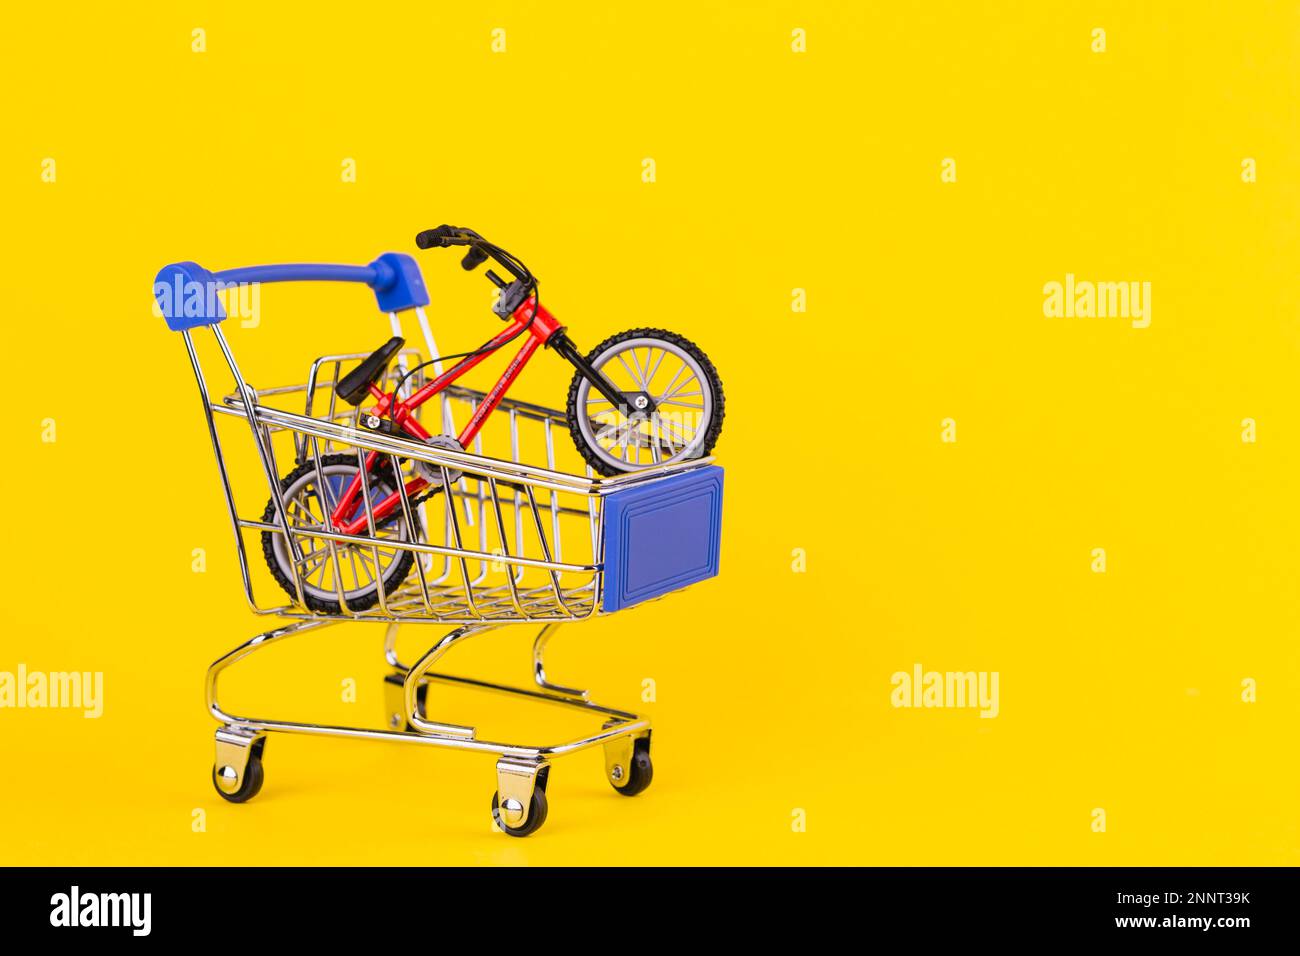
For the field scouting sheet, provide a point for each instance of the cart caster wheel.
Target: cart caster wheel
(536, 814)
(249, 787)
(631, 780)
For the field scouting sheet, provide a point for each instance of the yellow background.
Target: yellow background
(775, 170)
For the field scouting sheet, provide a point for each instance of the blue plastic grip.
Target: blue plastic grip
(662, 536)
(187, 293)
(399, 284)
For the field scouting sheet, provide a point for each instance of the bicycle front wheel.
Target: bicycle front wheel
(672, 406)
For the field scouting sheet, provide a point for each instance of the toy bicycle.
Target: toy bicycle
(642, 397)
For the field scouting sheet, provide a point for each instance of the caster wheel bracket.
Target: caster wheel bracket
(237, 772)
(627, 762)
(518, 782)
(235, 748)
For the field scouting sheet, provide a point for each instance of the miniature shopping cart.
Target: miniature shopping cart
(510, 539)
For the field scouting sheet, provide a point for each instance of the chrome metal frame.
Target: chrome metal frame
(526, 578)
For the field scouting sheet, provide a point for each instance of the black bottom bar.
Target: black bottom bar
(981, 906)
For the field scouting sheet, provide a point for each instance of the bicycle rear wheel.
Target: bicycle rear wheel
(353, 569)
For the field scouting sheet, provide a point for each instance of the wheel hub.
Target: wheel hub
(639, 405)
(513, 811)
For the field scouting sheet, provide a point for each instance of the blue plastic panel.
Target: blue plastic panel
(662, 536)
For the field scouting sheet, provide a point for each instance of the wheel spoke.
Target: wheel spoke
(326, 569)
(672, 392)
(367, 560)
(663, 353)
(306, 498)
(673, 381)
(684, 439)
(313, 560)
(365, 568)
(623, 362)
(640, 371)
(331, 498)
(350, 555)
(664, 430)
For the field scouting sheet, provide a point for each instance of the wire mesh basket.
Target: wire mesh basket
(510, 541)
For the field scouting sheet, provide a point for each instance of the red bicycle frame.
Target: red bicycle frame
(540, 326)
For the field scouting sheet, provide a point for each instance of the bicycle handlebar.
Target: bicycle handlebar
(479, 252)
(445, 236)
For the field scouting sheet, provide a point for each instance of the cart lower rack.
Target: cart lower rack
(498, 542)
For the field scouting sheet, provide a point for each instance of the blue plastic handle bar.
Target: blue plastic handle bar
(187, 293)
(305, 272)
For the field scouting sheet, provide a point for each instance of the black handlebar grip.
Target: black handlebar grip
(474, 258)
(435, 238)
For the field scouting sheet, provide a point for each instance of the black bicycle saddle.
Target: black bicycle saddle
(354, 387)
